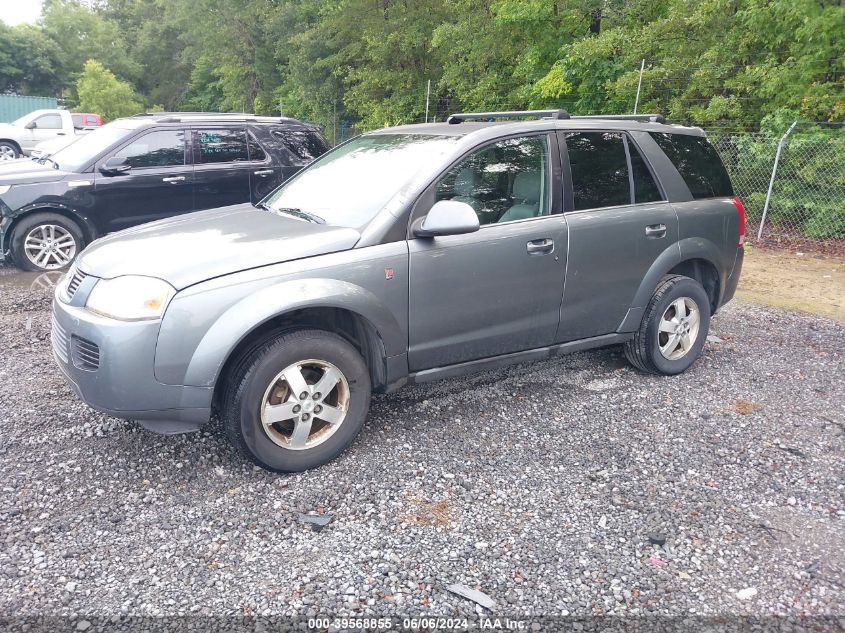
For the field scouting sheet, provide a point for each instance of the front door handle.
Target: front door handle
(263, 172)
(655, 230)
(173, 179)
(541, 247)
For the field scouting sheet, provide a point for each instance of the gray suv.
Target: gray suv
(405, 255)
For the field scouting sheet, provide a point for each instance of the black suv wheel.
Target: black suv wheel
(46, 241)
(674, 328)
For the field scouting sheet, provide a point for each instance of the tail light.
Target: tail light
(740, 211)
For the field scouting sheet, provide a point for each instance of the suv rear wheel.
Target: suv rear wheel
(674, 328)
(46, 241)
(296, 400)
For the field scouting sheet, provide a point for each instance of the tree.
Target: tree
(101, 92)
(28, 61)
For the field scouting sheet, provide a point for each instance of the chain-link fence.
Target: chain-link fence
(806, 207)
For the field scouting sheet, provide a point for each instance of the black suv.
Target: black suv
(143, 168)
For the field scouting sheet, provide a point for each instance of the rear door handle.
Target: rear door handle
(541, 247)
(655, 230)
(173, 179)
(263, 172)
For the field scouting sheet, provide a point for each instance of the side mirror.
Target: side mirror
(115, 165)
(31, 125)
(447, 217)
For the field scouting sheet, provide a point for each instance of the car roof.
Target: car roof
(213, 117)
(465, 128)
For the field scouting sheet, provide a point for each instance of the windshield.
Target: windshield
(79, 153)
(350, 185)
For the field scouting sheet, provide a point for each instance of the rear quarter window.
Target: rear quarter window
(697, 162)
(303, 144)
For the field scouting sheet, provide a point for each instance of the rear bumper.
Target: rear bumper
(733, 279)
(108, 364)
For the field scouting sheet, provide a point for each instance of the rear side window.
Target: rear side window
(165, 148)
(222, 146)
(697, 162)
(256, 153)
(599, 169)
(304, 145)
(645, 189)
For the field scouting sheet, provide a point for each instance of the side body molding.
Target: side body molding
(275, 300)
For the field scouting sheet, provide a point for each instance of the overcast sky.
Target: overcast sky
(18, 11)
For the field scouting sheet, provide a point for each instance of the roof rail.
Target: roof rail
(648, 118)
(209, 114)
(460, 117)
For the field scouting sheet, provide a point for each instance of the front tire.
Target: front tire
(296, 400)
(46, 241)
(674, 328)
(9, 151)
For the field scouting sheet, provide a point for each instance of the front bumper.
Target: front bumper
(109, 364)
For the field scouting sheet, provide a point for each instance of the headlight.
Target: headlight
(130, 298)
(5, 188)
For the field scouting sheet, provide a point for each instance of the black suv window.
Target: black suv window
(503, 182)
(599, 169)
(222, 146)
(304, 145)
(698, 163)
(163, 148)
(256, 152)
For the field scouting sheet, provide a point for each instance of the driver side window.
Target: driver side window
(503, 182)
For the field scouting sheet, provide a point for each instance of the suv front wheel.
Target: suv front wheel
(46, 241)
(296, 400)
(674, 327)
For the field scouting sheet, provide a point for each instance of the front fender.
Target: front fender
(255, 309)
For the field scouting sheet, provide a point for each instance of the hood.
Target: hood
(24, 171)
(187, 249)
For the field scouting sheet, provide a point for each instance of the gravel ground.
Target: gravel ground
(570, 486)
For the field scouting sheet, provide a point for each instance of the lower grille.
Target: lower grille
(58, 337)
(86, 355)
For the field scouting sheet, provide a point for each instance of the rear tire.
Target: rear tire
(275, 411)
(674, 328)
(46, 241)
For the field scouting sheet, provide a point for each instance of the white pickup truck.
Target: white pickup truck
(22, 135)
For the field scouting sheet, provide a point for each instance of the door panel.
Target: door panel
(158, 185)
(221, 167)
(609, 254)
(619, 224)
(497, 290)
(483, 294)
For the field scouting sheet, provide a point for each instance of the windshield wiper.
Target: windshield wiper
(300, 214)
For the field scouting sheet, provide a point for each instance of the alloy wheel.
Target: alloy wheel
(678, 328)
(305, 404)
(49, 246)
(7, 153)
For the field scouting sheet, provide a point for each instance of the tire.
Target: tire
(67, 241)
(651, 350)
(256, 385)
(9, 151)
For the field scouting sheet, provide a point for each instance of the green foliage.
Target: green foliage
(740, 65)
(100, 91)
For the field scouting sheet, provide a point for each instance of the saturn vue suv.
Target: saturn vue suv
(405, 255)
